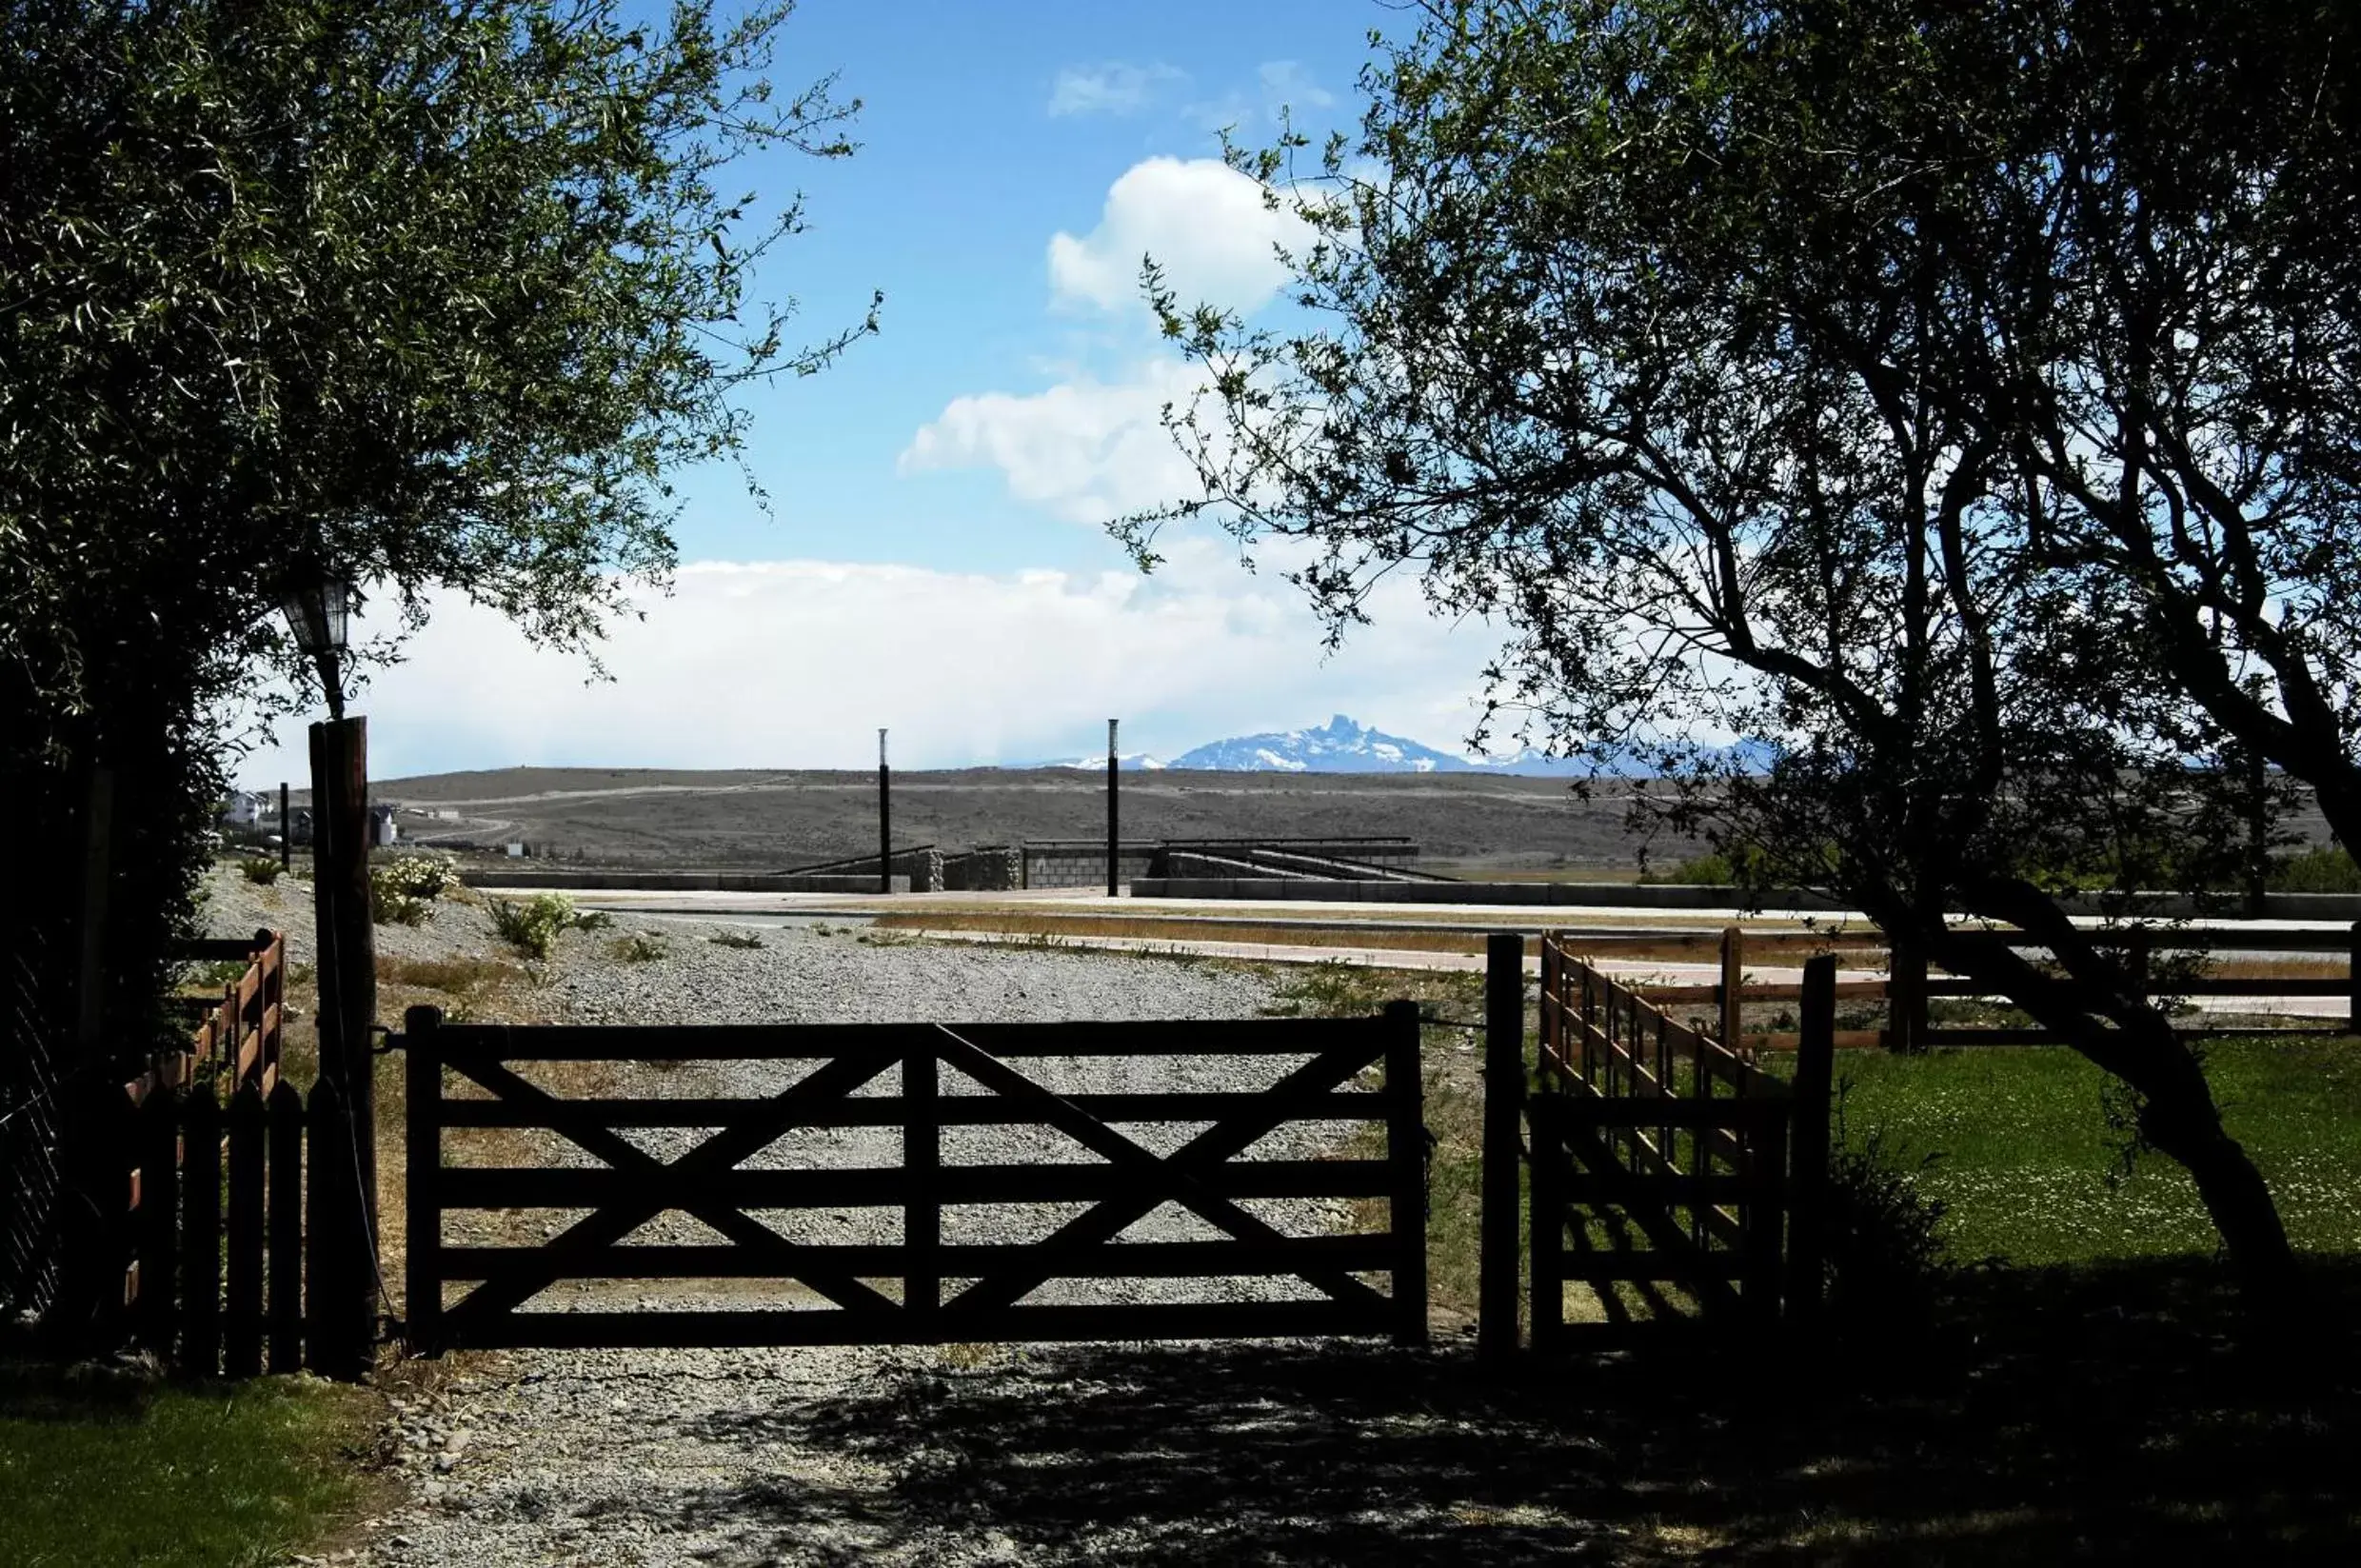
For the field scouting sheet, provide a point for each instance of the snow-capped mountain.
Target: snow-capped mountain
(1340, 746)
(1128, 762)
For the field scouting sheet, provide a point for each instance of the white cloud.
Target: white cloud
(1205, 224)
(1284, 86)
(1281, 87)
(1087, 451)
(796, 663)
(1113, 86)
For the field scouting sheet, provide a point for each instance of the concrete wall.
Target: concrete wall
(1079, 862)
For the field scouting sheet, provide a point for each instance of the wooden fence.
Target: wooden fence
(2157, 954)
(1661, 1157)
(223, 1253)
(215, 1159)
(234, 1035)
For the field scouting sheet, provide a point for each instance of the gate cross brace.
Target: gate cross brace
(1173, 1175)
(605, 1227)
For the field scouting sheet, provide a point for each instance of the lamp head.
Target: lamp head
(318, 607)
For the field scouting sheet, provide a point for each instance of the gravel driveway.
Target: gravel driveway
(850, 1455)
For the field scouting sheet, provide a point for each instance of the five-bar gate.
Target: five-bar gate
(920, 1287)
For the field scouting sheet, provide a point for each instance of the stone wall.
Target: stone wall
(987, 869)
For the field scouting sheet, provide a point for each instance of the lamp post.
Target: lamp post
(319, 607)
(1115, 848)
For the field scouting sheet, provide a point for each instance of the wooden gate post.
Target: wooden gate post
(1546, 1261)
(344, 1215)
(1807, 1190)
(1504, 1115)
(1405, 1138)
(422, 1279)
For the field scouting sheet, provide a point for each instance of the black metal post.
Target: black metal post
(885, 821)
(1115, 862)
(286, 832)
(347, 1014)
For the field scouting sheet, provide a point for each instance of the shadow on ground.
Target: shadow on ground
(2110, 1418)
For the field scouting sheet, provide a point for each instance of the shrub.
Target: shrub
(403, 888)
(2324, 869)
(1886, 1256)
(531, 925)
(640, 947)
(735, 938)
(260, 870)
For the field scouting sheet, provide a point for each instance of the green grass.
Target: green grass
(121, 1471)
(2025, 1154)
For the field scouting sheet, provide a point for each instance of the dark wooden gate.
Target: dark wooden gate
(920, 1288)
(1660, 1157)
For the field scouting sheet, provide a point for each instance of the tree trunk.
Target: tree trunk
(2234, 1195)
(2099, 1007)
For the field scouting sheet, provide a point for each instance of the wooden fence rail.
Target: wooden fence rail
(1909, 987)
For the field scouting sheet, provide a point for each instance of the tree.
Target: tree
(1638, 327)
(436, 292)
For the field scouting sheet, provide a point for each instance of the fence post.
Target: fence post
(286, 1228)
(2352, 980)
(336, 1334)
(241, 1322)
(1545, 1257)
(1807, 1191)
(1906, 995)
(159, 1219)
(1504, 1115)
(422, 1277)
(201, 1174)
(921, 1212)
(1405, 1142)
(1733, 978)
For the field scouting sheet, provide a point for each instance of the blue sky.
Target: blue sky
(933, 560)
(985, 129)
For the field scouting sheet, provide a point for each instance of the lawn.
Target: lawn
(2031, 1172)
(123, 1470)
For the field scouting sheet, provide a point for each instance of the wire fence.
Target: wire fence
(31, 1117)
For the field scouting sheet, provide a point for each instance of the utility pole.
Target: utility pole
(286, 832)
(1115, 864)
(885, 821)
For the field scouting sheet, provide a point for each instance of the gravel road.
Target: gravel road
(836, 1455)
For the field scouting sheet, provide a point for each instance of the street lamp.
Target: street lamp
(318, 607)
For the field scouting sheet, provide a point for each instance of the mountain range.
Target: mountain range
(1341, 746)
